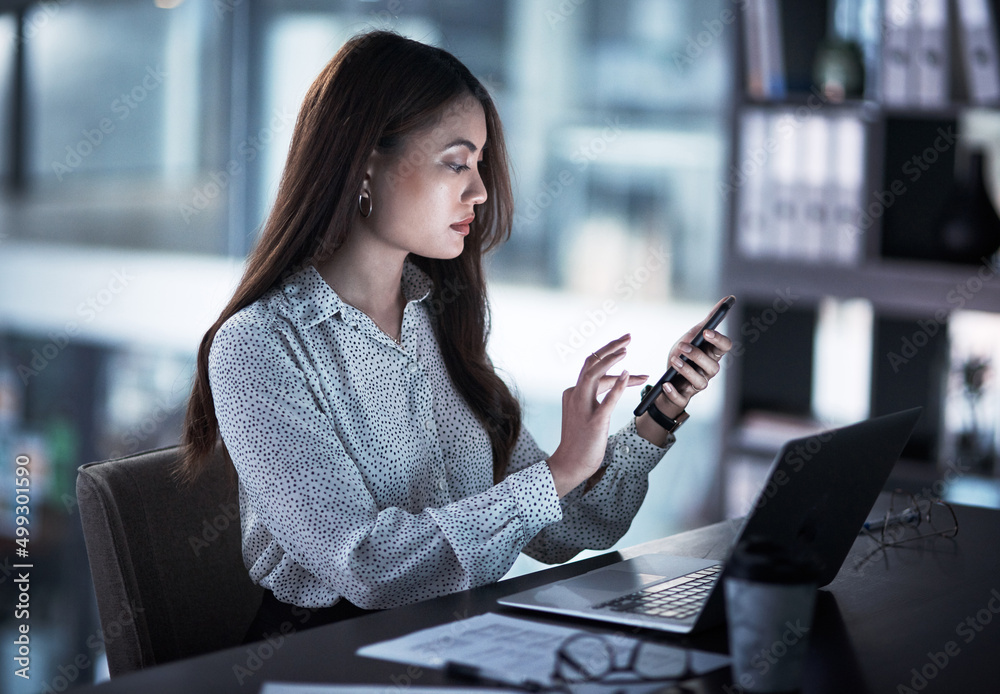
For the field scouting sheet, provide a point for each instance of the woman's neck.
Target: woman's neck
(368, 278)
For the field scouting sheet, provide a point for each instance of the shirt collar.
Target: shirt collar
(417, 286)
(313, 301)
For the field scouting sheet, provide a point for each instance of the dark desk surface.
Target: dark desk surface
(890, 618)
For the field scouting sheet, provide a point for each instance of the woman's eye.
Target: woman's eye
(458, 168)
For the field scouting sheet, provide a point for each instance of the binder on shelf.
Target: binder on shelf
(785, 209)
(800, 187)
(898, 25)
(764, 50)
(845, 230)
(932, 58)
(750, 176)
(979, 50)
(814, 164)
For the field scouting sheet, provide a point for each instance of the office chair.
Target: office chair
(166, 559)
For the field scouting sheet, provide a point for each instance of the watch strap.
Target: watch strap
(671, 425)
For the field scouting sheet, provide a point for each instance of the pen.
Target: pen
(907, 515)
(489, 677)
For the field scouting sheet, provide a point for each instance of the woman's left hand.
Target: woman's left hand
(696, 373)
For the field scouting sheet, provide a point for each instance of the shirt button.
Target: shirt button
(624, 449)
(428, 424)
(412, 367)
(442, 484)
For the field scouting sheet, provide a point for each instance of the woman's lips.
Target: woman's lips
(463, 226)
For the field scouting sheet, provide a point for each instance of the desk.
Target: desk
(888, 619)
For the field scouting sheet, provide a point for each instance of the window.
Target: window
(126, 109)
(8, 48)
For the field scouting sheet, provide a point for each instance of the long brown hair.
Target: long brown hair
(378, 89)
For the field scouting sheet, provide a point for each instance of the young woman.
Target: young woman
(380, 458)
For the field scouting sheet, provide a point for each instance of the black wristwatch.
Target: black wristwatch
(671, 425)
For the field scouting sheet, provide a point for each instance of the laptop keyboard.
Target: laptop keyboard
(678, 598)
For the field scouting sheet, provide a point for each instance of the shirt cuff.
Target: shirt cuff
(634, 452)
(534, 492)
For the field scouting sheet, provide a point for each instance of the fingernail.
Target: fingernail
(709, 333)
(667, 388)
(685, 348)
(624, 375)
(678, 364)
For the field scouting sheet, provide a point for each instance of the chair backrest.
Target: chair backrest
(166, 559)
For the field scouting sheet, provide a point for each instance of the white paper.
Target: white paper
(503, 646)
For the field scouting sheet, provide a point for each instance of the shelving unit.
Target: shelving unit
(895, 267)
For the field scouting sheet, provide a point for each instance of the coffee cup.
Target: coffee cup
(770, 598)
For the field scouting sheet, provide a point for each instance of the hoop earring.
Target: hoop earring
(363, 208)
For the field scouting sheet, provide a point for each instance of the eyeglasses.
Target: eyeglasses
(596, 658)
(919, 518)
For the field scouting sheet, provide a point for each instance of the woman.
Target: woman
(381, 460)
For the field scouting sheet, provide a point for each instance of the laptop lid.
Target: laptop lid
(818, 494)
(821, 488)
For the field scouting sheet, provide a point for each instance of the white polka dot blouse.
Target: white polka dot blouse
(362, 472)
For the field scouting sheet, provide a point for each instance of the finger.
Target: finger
(613, 346)
(593, 370)
(615, 394)
(592, 380)
(673, 396)
(706, 364)
(720, 344)
(607, 381)
(690, 373)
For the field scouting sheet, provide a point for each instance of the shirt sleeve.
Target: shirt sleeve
(300, 483)
(597, 518)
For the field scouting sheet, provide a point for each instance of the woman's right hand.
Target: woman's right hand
(585, 419)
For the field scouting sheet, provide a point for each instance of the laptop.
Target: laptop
(819, 491)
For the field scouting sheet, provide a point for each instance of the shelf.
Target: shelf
(947, 111)
(809, 99)
(894, 240)
(903, 286)
(871, 109)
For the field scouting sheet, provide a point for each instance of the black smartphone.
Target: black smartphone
(671, 373)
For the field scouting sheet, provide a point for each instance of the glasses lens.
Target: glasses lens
(584, 658)
(942, 519)
(932, 518)
(658, 662)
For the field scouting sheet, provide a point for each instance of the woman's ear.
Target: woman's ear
(373, 170)
(369, 192)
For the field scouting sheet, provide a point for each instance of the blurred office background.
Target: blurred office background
(140, 147)
(141, 144)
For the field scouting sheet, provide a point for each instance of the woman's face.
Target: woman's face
(424, 193)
